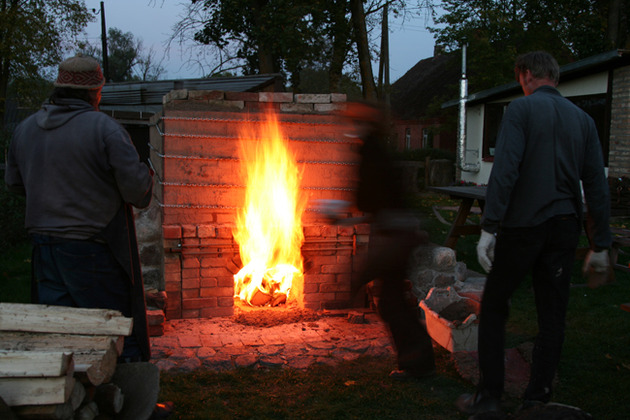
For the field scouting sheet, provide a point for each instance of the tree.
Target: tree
(270, 36)
(125, 57)
(287, 36)
(34, 34)
(498, 30)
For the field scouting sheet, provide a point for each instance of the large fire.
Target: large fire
(269, 228)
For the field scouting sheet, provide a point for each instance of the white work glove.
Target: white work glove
(485, 250)
(597, 262)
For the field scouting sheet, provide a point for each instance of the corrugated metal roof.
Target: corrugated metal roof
(147, 96)
(590, 65)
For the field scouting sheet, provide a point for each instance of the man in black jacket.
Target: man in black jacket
(532, 221)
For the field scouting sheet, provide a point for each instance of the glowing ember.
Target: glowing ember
(269, 228)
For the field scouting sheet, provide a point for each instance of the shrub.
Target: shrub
(11, 219)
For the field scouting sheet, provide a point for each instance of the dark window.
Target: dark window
(597, 107)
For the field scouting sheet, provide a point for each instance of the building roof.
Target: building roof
(594, 64)
(147, 96)
(424, 83)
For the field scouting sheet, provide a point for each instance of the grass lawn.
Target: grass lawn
(594, 372)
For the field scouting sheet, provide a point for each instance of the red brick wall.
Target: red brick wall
(195, 150)
(619, 145)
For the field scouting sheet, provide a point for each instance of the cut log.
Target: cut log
(10, 340)
(77, 396)
(35, 363)
(35, 391)
(96, 367)
(109, 399)
(87, 411)
(62, 319)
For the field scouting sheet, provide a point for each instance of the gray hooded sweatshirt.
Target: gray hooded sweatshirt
(76, 167)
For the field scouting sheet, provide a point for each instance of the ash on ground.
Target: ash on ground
(269, 316)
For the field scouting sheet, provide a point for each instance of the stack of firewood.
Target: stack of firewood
(57, 362)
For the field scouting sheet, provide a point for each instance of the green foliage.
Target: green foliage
(316, 80)
(122, 54)
(279, 36)
(126, 58)
(284, 36)
(11, 219)
(35, 35)
(497, 31)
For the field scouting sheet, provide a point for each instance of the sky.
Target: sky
(153, 21)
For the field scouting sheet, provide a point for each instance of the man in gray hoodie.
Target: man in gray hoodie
(81, 174)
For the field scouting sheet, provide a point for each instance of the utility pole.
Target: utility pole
(104, 43)
(383, 62)
(385, 47)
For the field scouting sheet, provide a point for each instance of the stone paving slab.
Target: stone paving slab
(223, 344)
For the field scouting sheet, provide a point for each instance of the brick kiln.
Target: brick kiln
(199, 188)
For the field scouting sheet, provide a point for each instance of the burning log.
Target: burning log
(269, 228)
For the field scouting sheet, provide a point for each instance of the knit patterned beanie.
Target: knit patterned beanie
(80, 72)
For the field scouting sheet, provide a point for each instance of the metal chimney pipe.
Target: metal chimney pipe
(461, 123)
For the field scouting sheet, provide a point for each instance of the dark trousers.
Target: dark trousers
(82, 274)
(548, 252)
(389, 253)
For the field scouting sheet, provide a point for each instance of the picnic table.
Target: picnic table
(466, 195)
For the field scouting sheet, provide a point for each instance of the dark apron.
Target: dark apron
(120, 236)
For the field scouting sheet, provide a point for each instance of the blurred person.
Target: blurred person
(394, 234)
(532, 222)
(81, 174)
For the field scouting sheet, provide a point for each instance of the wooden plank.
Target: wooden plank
(36, 391)
(63, 411)
(15, 340)
(62, 319)
(35, 363)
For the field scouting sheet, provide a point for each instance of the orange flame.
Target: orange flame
(269, 228)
